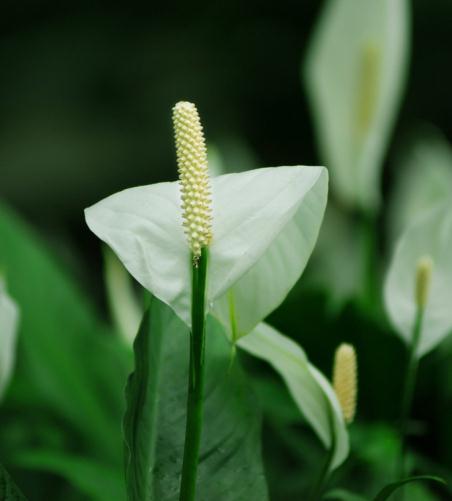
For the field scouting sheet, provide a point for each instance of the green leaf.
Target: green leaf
(9, 317)
(97, 481)
(355, 73)
(140, 420)
(423, 179)
(310, 390)
(60, 343)
(230, 463)
(265, 224)
(387, 491)
(8, 489)
(343, 495)
(431, 235)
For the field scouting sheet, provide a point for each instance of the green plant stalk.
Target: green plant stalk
(318, 487)
(195, 381)
(368, 228)
(408, 391)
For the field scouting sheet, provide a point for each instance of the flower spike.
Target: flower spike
(345, 380)
(424, 269)
(193, 177)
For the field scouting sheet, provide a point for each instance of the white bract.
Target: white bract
(124, 306)
(430, 236)
(337, 264)
(423, 179)
(9, 316)
(311, 391)
(264, 226)
(355, 73)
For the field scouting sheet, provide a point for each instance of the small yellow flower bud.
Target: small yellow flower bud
(345, 380)
(424, 269)
(193, 176)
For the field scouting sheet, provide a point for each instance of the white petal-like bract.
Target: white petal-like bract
(9, 316)
(422, 180)
(311, 391)
(355, 73)
(265, 224)
(431, 236)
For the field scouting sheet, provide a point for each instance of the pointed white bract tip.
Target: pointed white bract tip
(345, 380)
(424, 270)
(193, 176)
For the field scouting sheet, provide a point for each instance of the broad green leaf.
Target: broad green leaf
(265, 224)
(97, 481)
(387, 491)
(343, 495)
(140, 420)
(230, 461)
(8, 489)
(423, 179)
(355, 73)
(310, 390)
(431, 235)
(60, 343)
(9, 316)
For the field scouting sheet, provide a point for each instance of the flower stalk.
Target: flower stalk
(195, 396)
(422, 285)
(197, 218)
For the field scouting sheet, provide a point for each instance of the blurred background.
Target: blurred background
(86, 93)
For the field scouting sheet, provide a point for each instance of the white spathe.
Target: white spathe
(9, 317)
(265, 224)
(430, 235)
(311, 391)
(423, 178)
(355, 73)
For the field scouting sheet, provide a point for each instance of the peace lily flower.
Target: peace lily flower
(420, 278)
(9, 316)
(355, 74)
(311, 391)
(260, 227)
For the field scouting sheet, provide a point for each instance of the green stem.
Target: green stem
(195, 381)
(319, 486)
(408, 391)
(369, 248)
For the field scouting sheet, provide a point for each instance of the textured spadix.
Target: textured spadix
(345, 380)
(193, 176)
(423, 277)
